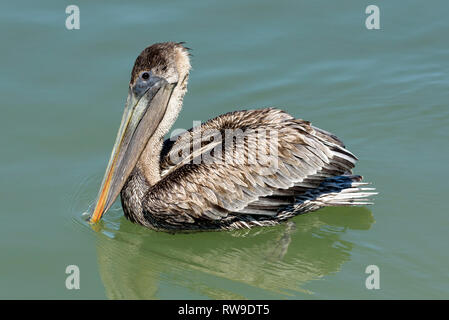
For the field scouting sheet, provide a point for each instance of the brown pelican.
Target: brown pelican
(242, 169)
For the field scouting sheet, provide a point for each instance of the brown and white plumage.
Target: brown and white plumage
(302, 168)
(229, 195)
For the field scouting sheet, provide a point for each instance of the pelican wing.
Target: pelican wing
(205, 177)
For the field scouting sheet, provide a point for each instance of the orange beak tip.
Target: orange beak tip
(95, 218)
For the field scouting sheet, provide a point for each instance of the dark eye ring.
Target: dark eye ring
(145, 76)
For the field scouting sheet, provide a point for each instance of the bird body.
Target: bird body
(239, 170)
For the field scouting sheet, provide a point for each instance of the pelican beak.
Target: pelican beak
(143, 113)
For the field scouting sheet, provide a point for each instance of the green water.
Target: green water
(384, 92)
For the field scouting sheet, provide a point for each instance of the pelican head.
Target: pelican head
(155, 76)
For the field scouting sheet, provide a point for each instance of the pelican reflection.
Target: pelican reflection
(137, 263)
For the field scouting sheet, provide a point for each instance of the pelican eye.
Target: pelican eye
(145, 76)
